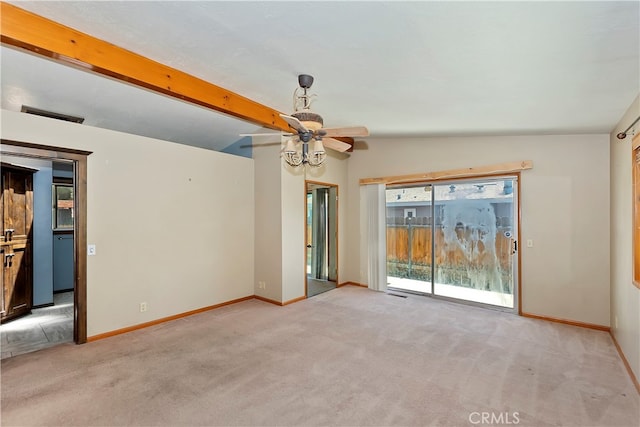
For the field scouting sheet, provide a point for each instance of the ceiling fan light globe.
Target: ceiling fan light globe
(290, 147)
(318, 148)
(316, 158)
(293, 158)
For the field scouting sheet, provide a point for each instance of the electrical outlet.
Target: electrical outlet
(143, 307)
(262, 285)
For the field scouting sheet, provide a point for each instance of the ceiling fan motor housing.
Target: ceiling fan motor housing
(309, 119)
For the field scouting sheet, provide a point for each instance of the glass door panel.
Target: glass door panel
(409, 238)
(475, 241)
(318, 236)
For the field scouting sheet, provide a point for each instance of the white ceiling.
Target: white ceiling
(399, 68)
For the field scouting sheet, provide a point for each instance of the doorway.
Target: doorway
(455, 240)
(76, 161)
(45, 317)
(321, 237)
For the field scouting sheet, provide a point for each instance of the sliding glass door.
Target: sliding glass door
(455, 240)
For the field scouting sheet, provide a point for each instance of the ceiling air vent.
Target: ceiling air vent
(51, 114)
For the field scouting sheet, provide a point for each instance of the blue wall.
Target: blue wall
(62, 262)
(42, 234)
(242, 147)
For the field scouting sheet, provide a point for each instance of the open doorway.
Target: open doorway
(38, 286)
(45, 272)
(66, 206)
(321, 237)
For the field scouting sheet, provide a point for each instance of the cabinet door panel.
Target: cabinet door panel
(3, 279)
(18, 204)
(17, 220)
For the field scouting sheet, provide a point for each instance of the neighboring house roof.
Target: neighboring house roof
(419, 196)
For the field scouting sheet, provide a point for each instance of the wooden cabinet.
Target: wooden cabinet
(16, 225)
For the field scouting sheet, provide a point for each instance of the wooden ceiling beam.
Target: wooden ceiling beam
(25, 30)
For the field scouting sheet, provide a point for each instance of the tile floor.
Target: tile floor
(315, 287)
(44, 327)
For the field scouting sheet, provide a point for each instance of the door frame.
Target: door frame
(307, 185)
(79, 159)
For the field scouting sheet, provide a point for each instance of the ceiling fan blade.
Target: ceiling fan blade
(336, 145)
(265, 144)
(350, 131)
(265, 134)
(294, 123)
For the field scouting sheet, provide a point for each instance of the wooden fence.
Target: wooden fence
(409, 251)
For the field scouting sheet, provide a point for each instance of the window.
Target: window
(62, 206)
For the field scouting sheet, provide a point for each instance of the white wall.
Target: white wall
(564, 202)
(293, 227)
(159, 215)
(268, 222)
(625, 297)
(173, 225)
(280, 219)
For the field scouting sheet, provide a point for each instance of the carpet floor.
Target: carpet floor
(349, 356)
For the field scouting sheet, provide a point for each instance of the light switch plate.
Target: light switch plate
(91, 250)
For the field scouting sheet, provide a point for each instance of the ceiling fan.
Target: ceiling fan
(309, 139)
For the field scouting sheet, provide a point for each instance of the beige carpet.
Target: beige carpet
(349, 356)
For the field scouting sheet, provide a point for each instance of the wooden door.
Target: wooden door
(16, 205)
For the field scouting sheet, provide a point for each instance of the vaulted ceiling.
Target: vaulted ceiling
(399, 68)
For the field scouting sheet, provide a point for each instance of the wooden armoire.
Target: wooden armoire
(16, 205)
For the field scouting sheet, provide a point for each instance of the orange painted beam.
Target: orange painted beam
(25, 30)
